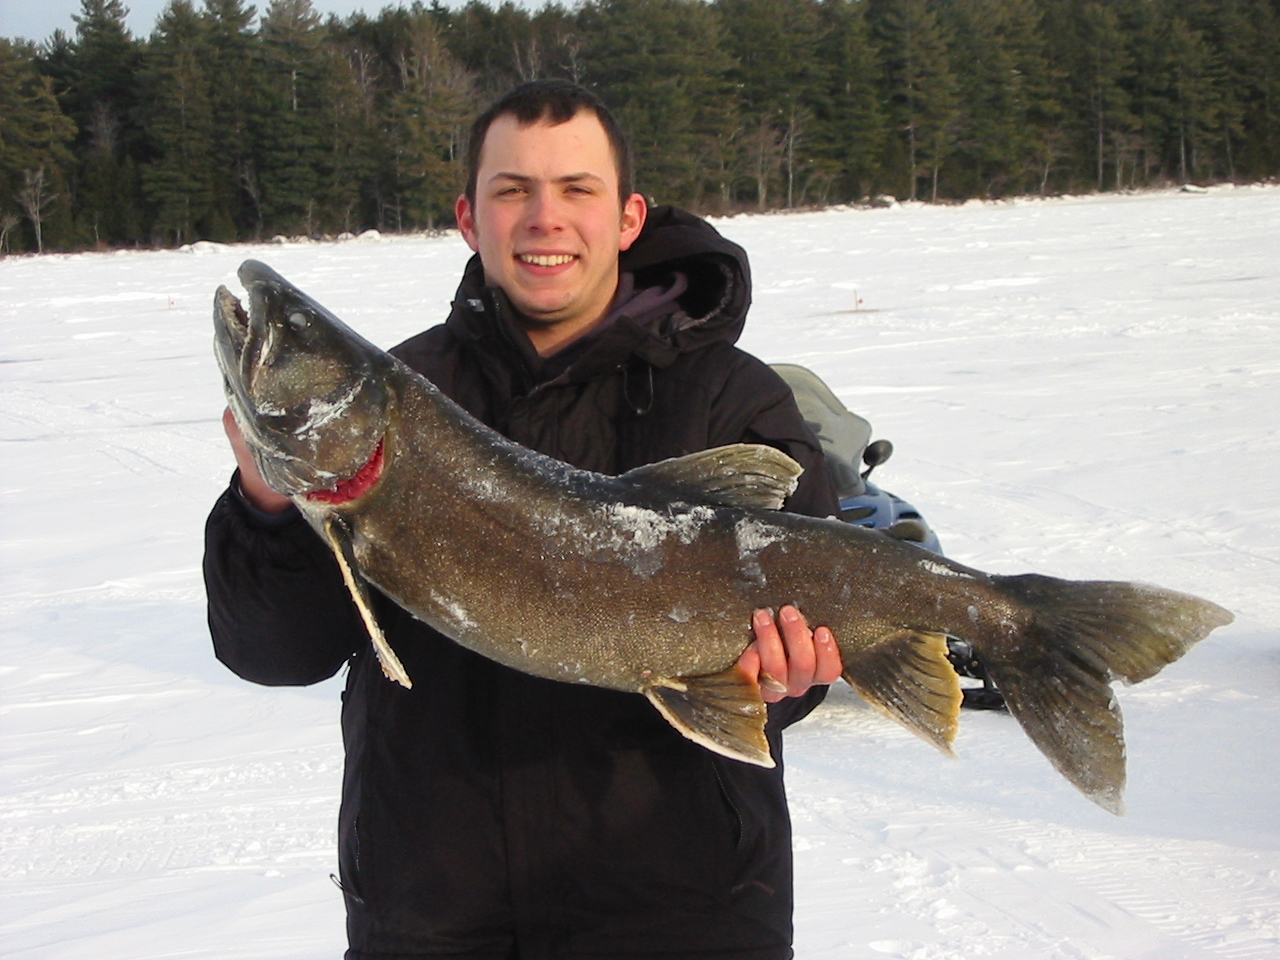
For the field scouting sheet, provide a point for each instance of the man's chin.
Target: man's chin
(545, 310)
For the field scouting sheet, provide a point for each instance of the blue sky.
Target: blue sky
(37, 19)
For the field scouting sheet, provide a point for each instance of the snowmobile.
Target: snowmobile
(846, 442)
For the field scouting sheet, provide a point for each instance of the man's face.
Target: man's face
(548, 224)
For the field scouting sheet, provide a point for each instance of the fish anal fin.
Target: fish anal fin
(908, 678)
(722, 712)
(340, 542)
(751, 475)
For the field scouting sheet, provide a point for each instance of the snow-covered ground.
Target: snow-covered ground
(1082, 387)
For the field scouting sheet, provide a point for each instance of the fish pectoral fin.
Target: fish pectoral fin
(721, 711)
(752, 475)
(908, 678)
(340, 541)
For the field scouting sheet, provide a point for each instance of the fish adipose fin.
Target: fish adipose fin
(1056, 678)
(340, 540)
(722, 711)
(751, 475)
(908, 677)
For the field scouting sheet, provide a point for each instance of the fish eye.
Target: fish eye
(298, 320)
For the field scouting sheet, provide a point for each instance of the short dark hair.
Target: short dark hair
(557, 102)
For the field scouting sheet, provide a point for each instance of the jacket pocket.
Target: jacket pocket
(735, 812)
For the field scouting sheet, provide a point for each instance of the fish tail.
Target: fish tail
(1056, 672)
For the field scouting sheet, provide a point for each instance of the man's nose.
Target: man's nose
(544, 212)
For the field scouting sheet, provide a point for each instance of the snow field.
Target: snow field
(1082, 387)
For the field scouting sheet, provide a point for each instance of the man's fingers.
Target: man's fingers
(773, 656)
(828, 667)
(788, 658)
(229, 424)
(801, 658)
(251, 483)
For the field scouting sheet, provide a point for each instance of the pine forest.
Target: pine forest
(232, 122)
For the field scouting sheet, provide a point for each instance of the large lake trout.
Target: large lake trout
(645, 582)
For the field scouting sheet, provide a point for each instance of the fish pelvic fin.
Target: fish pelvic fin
(339, 538)
(908, 678)
(751, 475)
(1056, 675)
(721, 711)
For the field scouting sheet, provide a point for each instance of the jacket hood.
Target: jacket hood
(712, 307)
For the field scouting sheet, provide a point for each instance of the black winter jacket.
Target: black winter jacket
(489, 813)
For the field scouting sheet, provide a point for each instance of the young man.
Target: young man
(488, 813)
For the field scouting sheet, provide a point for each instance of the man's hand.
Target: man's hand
(252, 485)
(787, 657)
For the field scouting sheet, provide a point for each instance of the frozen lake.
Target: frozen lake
(1088, 388)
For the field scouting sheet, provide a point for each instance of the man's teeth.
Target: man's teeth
(547, 260)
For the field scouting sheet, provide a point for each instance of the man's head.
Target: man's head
(548, 206)
(553, 102)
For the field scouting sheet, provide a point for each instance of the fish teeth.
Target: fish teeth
(546, 259)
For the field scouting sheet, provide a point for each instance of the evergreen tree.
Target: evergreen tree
(96, 76)
(235, 84)
(284, 178)
(426, 120)
(1005, 87)
(353, 141)
(303, 126)
(1191, 95)
(179, 182)
(660, 67)
(783, 88)
(35, 140)
(498, 45)
(852, 125)
(1102, 69)
(1256, 68)
(919, 84)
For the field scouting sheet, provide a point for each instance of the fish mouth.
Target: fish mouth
(232, 310)
(234, 319)
(357, 485)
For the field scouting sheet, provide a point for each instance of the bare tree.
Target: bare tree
(7, 222)
(764, 148)
(795, 130)
(572, 47)
(35, 198)
(104, 130)
(249, 183)
(529, 58)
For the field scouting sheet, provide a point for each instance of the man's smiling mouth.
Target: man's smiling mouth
(546, 259)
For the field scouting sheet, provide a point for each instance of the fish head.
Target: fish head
(309, 394)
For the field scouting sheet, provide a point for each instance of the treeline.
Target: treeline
(227, 125)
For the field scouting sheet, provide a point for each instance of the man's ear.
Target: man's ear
(634, 213)
(465, 216)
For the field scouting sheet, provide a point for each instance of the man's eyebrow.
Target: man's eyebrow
(525, 178)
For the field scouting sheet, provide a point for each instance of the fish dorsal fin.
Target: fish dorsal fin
(752, 475)
(339, 538)
(908, 677)
(721, 711)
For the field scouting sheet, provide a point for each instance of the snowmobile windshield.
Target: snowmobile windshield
(844, 435)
